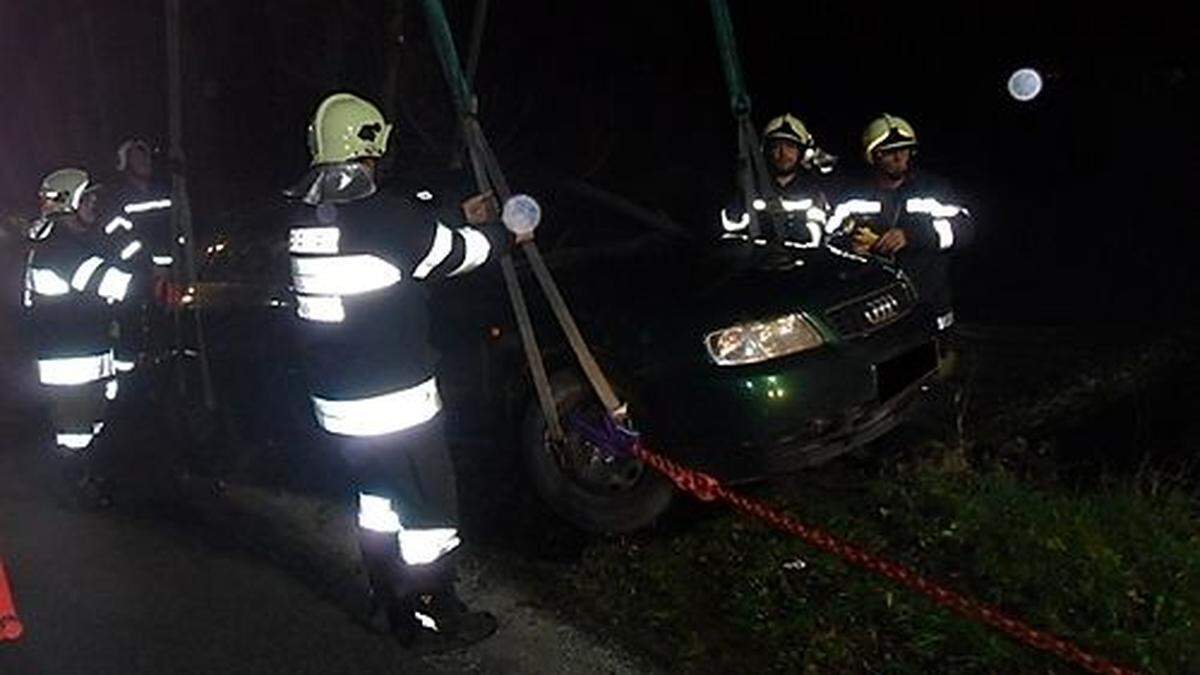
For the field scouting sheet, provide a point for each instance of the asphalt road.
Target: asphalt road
(122, 592)
(112, 592)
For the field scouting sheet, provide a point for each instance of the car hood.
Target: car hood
(665, 301)
(729, 288)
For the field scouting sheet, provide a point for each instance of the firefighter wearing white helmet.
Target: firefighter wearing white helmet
(139, 206)
(901, 213)
(362, 257)
(136, 218)
(72, 279)
(792, 206)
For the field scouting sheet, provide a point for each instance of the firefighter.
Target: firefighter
(143, 201)
(362, 257)
(71, 281)
(139, 203)
(907, 215)
(136, 216)
(793, 206)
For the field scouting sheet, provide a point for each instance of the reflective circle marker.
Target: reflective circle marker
(521, 214)
(1025, 84)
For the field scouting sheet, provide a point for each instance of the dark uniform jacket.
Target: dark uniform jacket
(796, 212)
(131, 214)
(935, 222)
(71, 279)
(360, 271)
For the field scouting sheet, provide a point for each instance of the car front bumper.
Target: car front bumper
(755, 421)
(853, 429)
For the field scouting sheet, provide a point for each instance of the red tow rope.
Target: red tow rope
(706, 488)
(11, 627)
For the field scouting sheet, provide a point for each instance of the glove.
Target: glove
(481, 208)
(864, 239)
(168, 294)
(891, 242)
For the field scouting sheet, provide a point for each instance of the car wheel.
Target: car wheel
(580, 483)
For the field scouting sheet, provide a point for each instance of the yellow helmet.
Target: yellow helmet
(62, 191)
(346, 127)
(887, 132)
(787, 127)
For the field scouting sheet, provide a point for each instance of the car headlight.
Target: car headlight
(759, 341)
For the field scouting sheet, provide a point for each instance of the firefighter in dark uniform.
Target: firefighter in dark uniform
(138, 209)
(72, 279)
(793, 206)
(905, 214)
(362, 257)
(144, 202)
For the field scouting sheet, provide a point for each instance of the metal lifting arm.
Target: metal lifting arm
(489, 176)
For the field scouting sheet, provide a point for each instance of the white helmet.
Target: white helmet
(124, 148)
(62, 191)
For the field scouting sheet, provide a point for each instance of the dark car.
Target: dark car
(741, 358)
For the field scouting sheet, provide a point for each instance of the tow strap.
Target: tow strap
(490, 177)
(751, 167)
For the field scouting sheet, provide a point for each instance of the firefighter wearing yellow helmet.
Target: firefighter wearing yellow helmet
(787, 127)
(346, 127)
(72, 278)
(901, 213)
(791, 206)
(362, 257)
(887, 132)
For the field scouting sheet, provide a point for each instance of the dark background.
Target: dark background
(1082, 196)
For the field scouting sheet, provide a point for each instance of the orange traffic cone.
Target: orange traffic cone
(10, 626)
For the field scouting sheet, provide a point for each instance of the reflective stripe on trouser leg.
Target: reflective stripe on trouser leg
(379, 415)
(407, 485)
(375, 513)
(418, 546)
(77, 414)
(421, 547)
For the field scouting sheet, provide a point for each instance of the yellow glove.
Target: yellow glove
(864, 240)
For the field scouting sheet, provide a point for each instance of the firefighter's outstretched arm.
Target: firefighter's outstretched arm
(453, 251)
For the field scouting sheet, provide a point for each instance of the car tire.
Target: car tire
(618, 511)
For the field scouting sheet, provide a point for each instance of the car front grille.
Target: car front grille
(867, 314)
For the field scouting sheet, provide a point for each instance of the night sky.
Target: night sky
(1083, 196)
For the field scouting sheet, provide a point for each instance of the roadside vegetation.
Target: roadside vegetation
(1060, 489)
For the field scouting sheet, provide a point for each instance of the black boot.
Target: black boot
(442, 621)
(381, 558)
(453, 618)
(93, 492)
(78, 486)
(417, 604)
(433, 625)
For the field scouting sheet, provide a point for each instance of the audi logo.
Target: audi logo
(881, 309)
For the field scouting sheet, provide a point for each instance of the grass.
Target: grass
(1117, 571)
(1112, 564)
